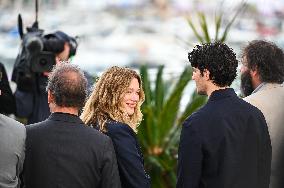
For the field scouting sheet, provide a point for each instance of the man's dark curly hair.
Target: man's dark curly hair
(219, 59)
(267, 59)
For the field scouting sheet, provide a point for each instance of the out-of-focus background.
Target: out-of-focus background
(133, 32)
(155, 33)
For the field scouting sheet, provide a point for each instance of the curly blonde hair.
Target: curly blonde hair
(104, 102)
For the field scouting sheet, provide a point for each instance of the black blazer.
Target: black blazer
(129, 157)
(225, 144)
(62, 152)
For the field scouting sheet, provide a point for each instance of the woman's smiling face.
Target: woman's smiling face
(131, 97)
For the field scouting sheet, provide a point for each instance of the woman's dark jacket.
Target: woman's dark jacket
(129, 156)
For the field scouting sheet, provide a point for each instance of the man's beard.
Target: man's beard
(201, 89)
(246, 84)
(201, 93)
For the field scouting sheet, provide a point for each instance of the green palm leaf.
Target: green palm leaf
(168, 115)
(146, 84)
(194, 30)
(159, 90)
(218, 20)
(228, 27)
(196, 102)
(159, 133)
(203, 25)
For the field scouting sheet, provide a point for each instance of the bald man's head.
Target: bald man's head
(68, 85)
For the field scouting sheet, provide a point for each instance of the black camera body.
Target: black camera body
(33, 54)
(31, 59)
(37, 54)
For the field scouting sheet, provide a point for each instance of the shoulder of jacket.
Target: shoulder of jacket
(204, 112)
(196, 119)
(5, 120)
(12, 125)
(254, 104)
(115, 127)
(97, 133)
(254, 99)
(35, 125)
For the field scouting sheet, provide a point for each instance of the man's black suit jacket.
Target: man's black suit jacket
(62, 152)
(225, 144)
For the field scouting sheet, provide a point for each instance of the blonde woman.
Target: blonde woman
(114, 108)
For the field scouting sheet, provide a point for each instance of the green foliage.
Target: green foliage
(204, 36)
(160, 129)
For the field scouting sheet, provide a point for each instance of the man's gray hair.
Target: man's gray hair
(68, 85)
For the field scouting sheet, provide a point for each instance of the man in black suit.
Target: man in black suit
(226, 143)
(61, 151)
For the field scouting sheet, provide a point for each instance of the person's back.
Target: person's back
(270, 100)
(129, 159)
(262, 77)
(62, 151)
(226, 143)
(12, 144)
(33, 105)
(236, 144)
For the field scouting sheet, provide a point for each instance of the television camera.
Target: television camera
(37, 52)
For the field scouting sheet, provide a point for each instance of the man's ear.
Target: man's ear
(253, 72)
(255, 75)
(206, 74)
(50, 97)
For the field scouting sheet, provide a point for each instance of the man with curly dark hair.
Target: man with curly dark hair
(262, 76)
(226, 142)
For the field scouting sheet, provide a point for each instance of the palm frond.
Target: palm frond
(159, 90)
(159, 133)
(218, 20)
(228, 27)
(204, 27)
(168, 115)
(194, 30)
(196, 102)
(146, 84)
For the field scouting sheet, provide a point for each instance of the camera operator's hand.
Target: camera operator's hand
(45, 74)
